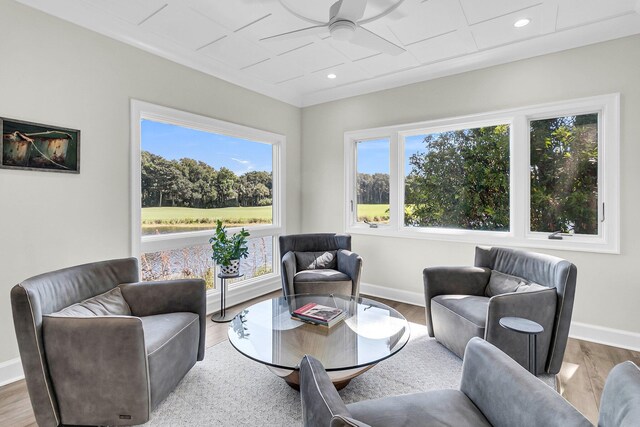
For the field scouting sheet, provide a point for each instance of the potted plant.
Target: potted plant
(227, 251)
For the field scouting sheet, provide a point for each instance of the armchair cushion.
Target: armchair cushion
(171, 296)
(324, 281)
(457, 319)
(161, 328)
(105, 304)
(324, 275)
(470, 307)
(171, 342)
(315, 260)
(501, 283)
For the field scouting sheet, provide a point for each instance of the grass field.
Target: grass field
(159, 215)
(171, 220)
(371, 212)
(174, 220)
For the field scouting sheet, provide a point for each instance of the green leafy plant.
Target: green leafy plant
(225, 248)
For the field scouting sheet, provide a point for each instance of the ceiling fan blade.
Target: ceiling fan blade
(310, 31)
(348, 10)
(366, 38)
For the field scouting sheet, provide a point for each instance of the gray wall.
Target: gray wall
(57, 73)
(608, 291)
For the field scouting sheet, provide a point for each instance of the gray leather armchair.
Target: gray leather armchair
(494, 391)
(465, 302)
(99, 348)
(319, 263)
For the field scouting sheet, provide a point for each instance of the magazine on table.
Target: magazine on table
(319, 314)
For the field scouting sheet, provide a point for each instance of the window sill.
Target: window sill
(486, 238)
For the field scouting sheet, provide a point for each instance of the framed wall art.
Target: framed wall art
(33, 146)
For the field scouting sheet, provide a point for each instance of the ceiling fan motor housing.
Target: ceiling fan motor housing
(342, 30)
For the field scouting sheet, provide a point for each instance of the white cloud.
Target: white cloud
(242, 162)
(248, 165)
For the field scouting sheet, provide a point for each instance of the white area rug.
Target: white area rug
(228, 389)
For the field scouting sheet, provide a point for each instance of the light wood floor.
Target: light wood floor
(584, 370)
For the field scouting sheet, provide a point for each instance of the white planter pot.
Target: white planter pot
(232, 269)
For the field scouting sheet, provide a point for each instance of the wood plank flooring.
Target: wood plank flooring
(581, 379)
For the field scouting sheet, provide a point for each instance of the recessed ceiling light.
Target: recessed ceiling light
(331, 76)
(521, 22)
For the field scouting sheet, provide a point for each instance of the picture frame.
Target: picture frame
(38, 147)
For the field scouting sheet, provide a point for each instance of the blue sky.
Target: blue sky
(373, 155)
(175, 142)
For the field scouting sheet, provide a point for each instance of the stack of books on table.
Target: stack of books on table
(319, 314)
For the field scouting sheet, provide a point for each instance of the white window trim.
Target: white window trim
(141, 244)
(608, 239)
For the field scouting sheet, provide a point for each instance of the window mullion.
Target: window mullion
(519, 184)
(396, 183)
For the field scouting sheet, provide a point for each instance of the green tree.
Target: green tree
(564, 174)
(192, 183)
(226, 187)
(461, 180)
(163, 183)
(203, 183)
(254, 188)
(373, 188)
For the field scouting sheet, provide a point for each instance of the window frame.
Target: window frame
(607, 240)
(141, 110)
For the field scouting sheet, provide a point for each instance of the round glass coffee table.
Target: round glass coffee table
(370, 333)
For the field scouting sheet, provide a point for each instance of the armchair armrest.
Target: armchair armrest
(170, 296)
(100, 362)
(350, 263)
(452, 281)
(288, 272)
(508, 395)
(539, 306)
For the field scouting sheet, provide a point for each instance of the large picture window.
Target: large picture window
(539, 176)
(190, 178)
(190, 171)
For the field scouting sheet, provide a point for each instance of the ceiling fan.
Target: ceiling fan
(345, 24)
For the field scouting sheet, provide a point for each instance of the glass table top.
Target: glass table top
(371, 332)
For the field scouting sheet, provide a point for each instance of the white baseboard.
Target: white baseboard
(578, 330)
(408, 297)
(242, 294)
(603, 335)
(11, 371)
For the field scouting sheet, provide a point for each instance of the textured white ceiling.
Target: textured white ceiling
(441, 37)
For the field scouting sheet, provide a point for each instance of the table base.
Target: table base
(340, 379)
(222, 317)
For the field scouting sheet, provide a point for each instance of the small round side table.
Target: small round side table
(222, 316)
(529, 327)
